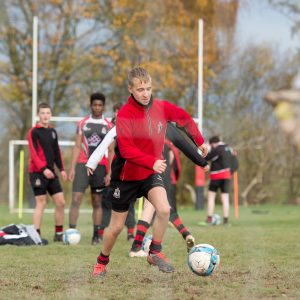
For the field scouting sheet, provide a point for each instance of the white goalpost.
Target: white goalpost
(14, 143)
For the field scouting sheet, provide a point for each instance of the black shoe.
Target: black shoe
(95, 240)
(58, 237)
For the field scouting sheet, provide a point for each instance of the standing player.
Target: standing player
(220, 156)
(44, 153)
(90, 132)
(106, 204)
(137, 169)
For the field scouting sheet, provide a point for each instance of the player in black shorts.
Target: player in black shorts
(90, 132)
(44, 153)
(220, 156)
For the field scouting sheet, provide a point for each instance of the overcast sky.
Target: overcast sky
(259, 23)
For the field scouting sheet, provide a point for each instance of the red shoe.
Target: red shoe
(99, 270)
(160, 260)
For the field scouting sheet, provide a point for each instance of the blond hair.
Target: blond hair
(139, 73)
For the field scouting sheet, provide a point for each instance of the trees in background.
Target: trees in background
(89, 45)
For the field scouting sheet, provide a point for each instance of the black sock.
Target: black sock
(225, 220)
(72, 225)
(96, 230)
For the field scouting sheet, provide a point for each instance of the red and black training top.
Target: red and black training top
(141, 134)
(43, 149)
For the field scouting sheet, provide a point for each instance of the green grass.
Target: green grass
(260, 256)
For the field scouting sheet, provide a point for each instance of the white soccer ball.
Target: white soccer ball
(71, 236)
(146, 243)
(203, 259)
(216, 219)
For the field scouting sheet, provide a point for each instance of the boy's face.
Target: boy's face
(44, 116)
(97, 108)
(141, 91)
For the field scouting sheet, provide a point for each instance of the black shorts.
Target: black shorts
(122, 193)
(222, 184)
(41, 185)
(82, 180)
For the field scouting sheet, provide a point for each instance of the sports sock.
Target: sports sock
(101, 231)
(72, 225)
(130, 231)
(96, 230)
(225, 220)
(155, 247)
(177, 222)
(38, 231)
(103, 259)
(59, 229)
(141, 230)
(209, 219)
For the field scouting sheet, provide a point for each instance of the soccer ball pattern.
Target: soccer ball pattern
(71, 236)
(216, 219)
(203, 259)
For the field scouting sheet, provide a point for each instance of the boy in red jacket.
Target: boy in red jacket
(44, 154)
(137, 169)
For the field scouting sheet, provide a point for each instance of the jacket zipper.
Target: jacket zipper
(149, 121)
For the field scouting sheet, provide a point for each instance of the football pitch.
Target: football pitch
(260, 256)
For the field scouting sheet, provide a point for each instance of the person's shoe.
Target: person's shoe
(95, 240)
(130, 238)
(137, 253)
(99, 270)
(190, 242)
(58, 237)
(161, 262)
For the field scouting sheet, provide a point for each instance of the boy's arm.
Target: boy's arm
(33, 146)
(184, 120)
(100, 151)
(58, 157)
(180, 141)
(75, 155)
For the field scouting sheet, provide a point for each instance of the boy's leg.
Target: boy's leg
(225, 203)
(97, 216)
(176, 220)
(59, 202)
(141, 230)
(210, 205)
(109, 238)
(40, 204)
(74, 208)
(130, 222)
(158, 197)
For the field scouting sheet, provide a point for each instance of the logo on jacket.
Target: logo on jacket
(159, 127)
(116, 193)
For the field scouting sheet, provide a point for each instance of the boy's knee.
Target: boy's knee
(164, 212)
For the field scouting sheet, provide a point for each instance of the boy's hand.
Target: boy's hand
(204, 149)
(160, 166)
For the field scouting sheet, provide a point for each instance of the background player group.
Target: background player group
(139, 164)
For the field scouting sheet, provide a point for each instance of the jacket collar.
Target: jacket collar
(138, 105)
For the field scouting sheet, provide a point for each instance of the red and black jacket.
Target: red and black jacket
(44, 149)
(220, 158)
(141, 134)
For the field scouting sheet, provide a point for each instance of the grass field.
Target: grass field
(260, 256)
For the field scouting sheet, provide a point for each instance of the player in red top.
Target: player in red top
(136, 171)
(90, 132)
(44, 153)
